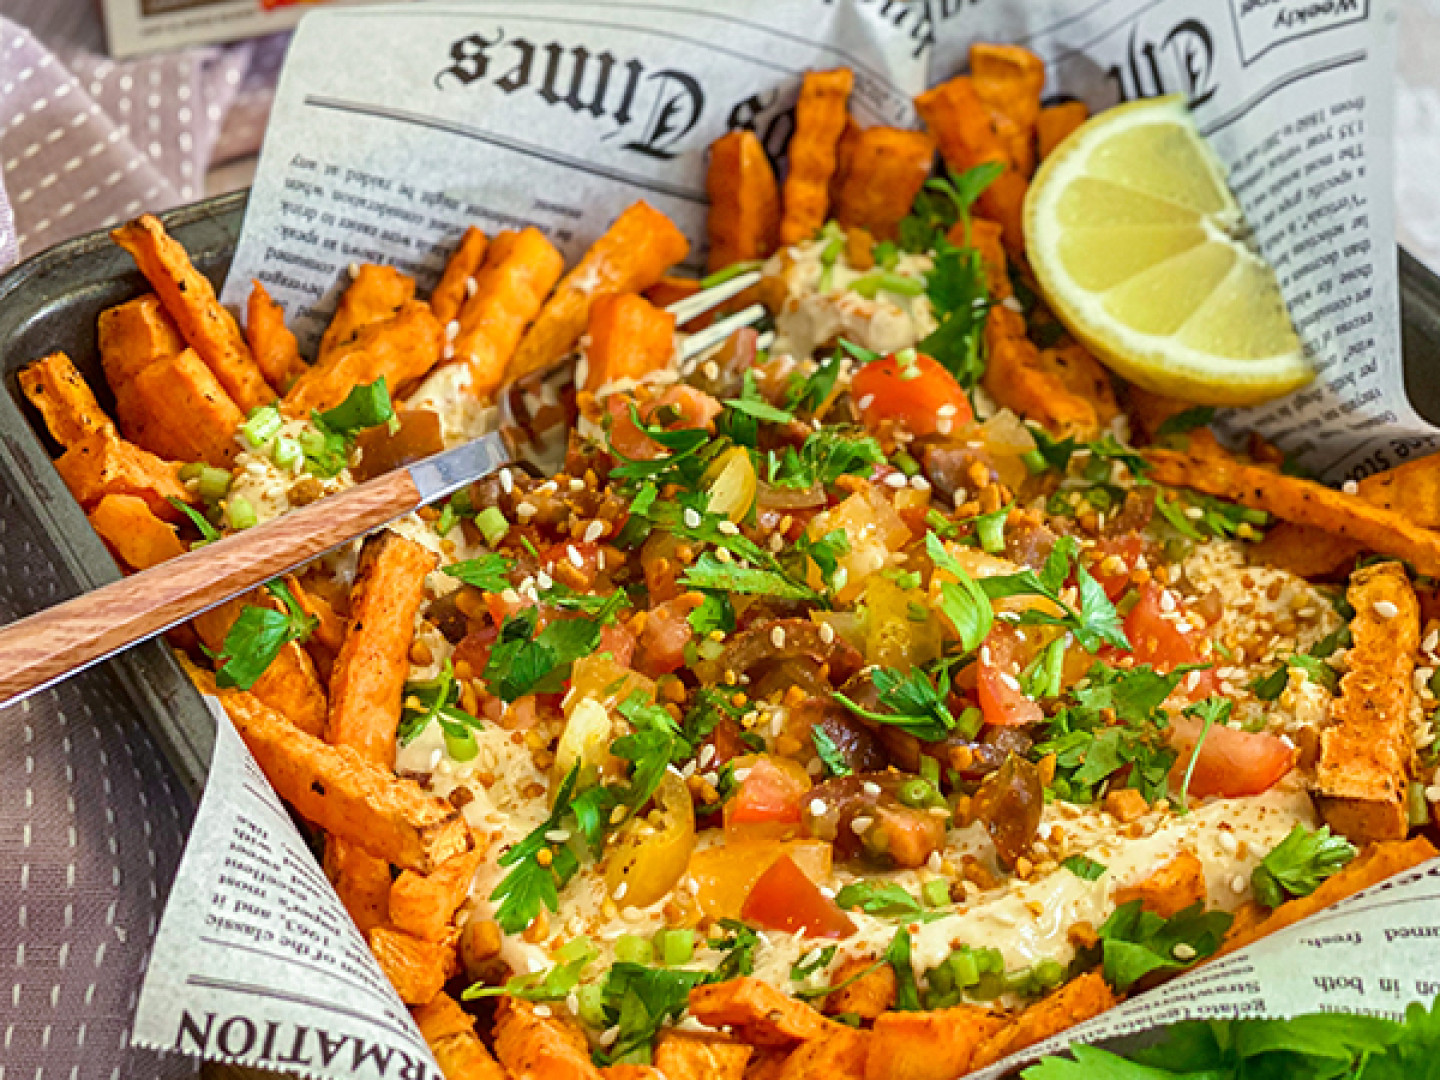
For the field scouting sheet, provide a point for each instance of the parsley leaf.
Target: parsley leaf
(640, 1000)
(524, 662)
(812, 962)
(1212, 711)
(916, 704)
(739, 946)
(883, 899)
(487, 573)
(907, 994)
(602, 609)
(808, 393)
(552, 984)
(1298, 864)
(1085, 868)
(943, 202)
(438, 701)
(1186, 421)
(752, 403)
(1269, 687)
(710, 573)
(714, 613)
(1136, 942)
(255, 639)
(650, 747)
(827, 455)
(963, 601)
(208, 533)
(960, 300)
(830, 755)
(1095, 625)
(529, 885)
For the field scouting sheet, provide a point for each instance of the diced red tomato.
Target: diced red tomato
(662, 566)
(619, 643)
(911, 394)
(667, 631)
(1115, 580)
(1002, 656)
(587, 565)
(685, 407)
(1164, 640)
(785, 899)
(474, 648)
(1231, 763)
(770, 794)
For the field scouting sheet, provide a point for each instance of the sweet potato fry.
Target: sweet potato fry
(1412, 489)
(64, 399)
(632, 1072)
(1075, 1002)
(519, 273)
(670, 289)
(744, 221)
(370, 672)
(104, 464)
(929, 1045)
(820, 117)
(1373, 865)
(401, 348)
(1362, 775)
(271, 343)
(633, 254)
(140, 538)
(1055, 124)
(176, 407)
(1021, 379)
(961, 124)
(375, 294)
(416, 969)
(450, 1032)
(888, 167)
(536, 1046)
(464, 263)
(844, 158)
(361, 881)
(1008, 79)
(840, 1055)
(760, 1014)
(425, 905)
(329, 633)
(388, 816)
(1149, 411)
(869, 995)
(1207, 468)
(289, 685)
(1170, 889)
(190, 300)
(766, 1063)
(1305, 550)
(629, 339)
(693, 1055)
(134, 335)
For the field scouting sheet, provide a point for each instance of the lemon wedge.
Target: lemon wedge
(1144, 255)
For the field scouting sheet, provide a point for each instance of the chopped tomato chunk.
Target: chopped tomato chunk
(770, 794)
(922, 396)
(785, 899)
(1162, 637)
(1231, 763)
(1002, 657)
(1114, 577)
(667, 631)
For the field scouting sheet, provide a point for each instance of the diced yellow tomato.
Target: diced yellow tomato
(726, 873)
(872, 528)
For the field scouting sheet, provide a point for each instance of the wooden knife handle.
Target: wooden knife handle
(51, 644)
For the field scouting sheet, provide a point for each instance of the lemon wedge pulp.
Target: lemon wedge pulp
(1143, 253)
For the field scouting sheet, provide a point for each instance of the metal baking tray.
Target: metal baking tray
(52, 301)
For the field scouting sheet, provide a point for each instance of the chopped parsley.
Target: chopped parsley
(256, 637)
(830, 755)
(437, 701)
(826, 455)
(1095, 625)
(959, 300)
(917, 705)
(942, 203)
(1136, 942)
(1085, 868)
(1298, 864)
(489, 573)
(524, 662)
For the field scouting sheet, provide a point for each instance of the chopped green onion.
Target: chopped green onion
(1048, 974)
(889, 281)
(734, 270)
(886, 255)
(1418, 807)
(905, 463)
(264, 424)
(590, 1004)
(1100, 498)
(492, 524)
(1018, 981)
(240, 513)
(675, 947)
(634, 949)
(914, 793)
(964, 967)
(1035, 461)
(192, 470)
(935, 893)
(991, 529)
(456, 508)
(460, 743)
(829, 253)
(580, 948)
(287, 452)
(214, 484)
(364, 407)
(970, 722)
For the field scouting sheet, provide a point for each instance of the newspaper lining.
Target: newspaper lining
(134, 27)
(559, 114)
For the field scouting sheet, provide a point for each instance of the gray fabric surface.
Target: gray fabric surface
(92, 820)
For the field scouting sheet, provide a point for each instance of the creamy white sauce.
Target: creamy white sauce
(446, 392)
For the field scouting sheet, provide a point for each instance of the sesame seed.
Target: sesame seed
(934, 863)
(1183, 952)
(692, 518)
(817, 807)
(1350, 487)
(525, 510)
(896, 480)
(776, 542)
(1238, 884)
(576, 485)
(707, 755)
(354, 271)
(1167, 600)
(711, 370)
(861, 824)
(452, 329)
(1194, 513)
(576, 559)
(1386, 609)
(1228, 843)
(558, 836)
(621, 890)
(594, 531)
(1010, 680)
(919, 483)
(471, 287)
(729, 528)
(827, 633)
(777, 637)
(946, 410)
(943, 425)
(723, 554)
(866, 401)
(507, 481)
(870, 788)
(542, 1010)
(544, 580)
(840, 577)
(1432, 793)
